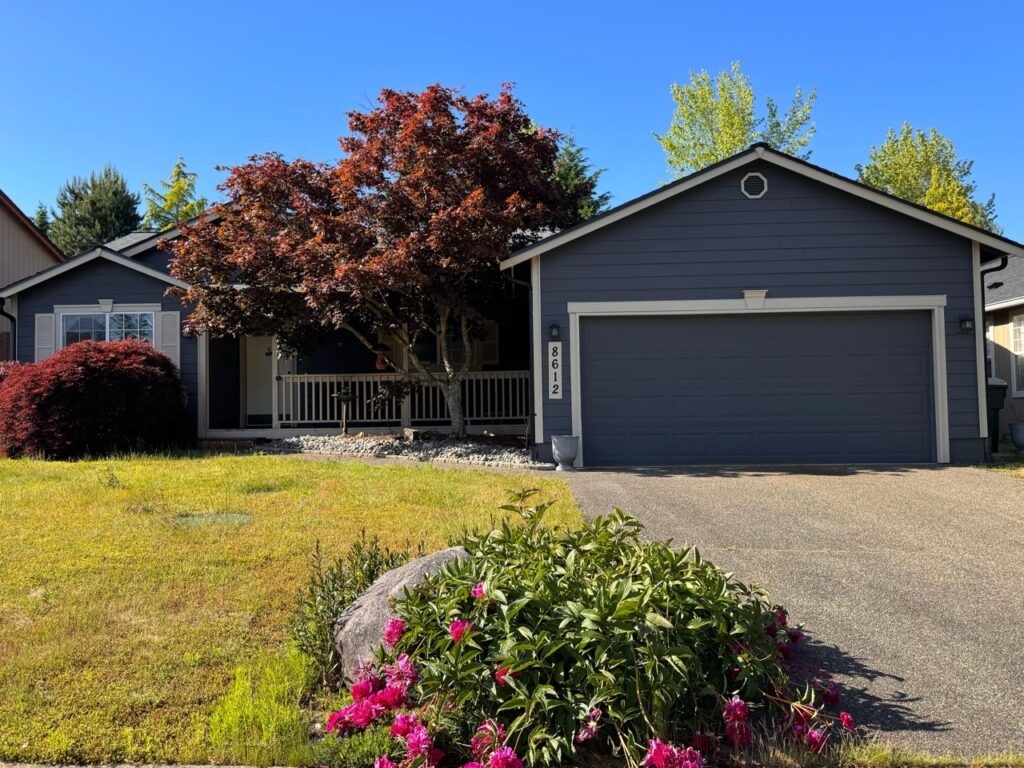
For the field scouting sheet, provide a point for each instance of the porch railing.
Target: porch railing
(488, 397)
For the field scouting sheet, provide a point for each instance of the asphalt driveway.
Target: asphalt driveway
(911, 581)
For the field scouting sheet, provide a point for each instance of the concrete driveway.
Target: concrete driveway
(911, 581)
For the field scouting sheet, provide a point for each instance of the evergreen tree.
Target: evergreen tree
(578, 182)
(177, 202)
(923, 168)
(42, 218)
(716, 119)
(93, 210)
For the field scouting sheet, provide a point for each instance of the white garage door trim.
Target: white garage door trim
(755, 302)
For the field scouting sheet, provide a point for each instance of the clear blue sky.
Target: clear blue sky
(137, 84)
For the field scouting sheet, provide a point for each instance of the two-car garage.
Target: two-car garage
(756, 388)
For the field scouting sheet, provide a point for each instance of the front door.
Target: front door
(259, 380)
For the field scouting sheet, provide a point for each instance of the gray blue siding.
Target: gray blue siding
(102, 279)
(801, 239)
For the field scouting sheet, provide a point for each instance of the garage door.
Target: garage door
(800, 388)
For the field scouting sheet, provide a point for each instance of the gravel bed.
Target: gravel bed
(439, 448)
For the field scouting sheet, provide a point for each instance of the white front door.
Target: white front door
(259, 380)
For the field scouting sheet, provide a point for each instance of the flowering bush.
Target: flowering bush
(543, 643)
(93, 398)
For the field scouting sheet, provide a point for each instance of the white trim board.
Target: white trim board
(761, 152)
(935, 304)
(979, 341)
(538, 355)
(1005, 304)
(78, 261)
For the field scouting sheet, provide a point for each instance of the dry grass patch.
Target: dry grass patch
(131, 588)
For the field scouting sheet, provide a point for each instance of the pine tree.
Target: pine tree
(577, 181)
(42, 218)
(93, 211)
(177, 202)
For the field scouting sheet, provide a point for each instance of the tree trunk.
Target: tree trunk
(453, 397)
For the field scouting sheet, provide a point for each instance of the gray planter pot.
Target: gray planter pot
(564, 448)
(1017, 435)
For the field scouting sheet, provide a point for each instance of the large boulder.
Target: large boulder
(358, 631)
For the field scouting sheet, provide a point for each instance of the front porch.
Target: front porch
(248, 391)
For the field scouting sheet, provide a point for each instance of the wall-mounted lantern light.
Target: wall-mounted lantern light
(966, 325)
(554, 332)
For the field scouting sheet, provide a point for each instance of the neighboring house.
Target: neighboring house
(1004, 334)
(239, 388)
(763, 310)
(24, 250)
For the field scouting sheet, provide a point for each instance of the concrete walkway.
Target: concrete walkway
(911, 581)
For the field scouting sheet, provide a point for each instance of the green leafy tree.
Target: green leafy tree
(922, 167)
(574, 176)
(42, 218)
(177, 202)
(93, 210)
(715, 119)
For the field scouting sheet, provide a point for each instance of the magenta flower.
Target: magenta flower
(384, 762)
(662, 755)
(796, 635)
(403, 724)
(589, 729)
(393, 632)
(459, 629)
(739, 734)
(418, 742)
(735, 711)
(402, 673)
(505, 757)
(489, 736)
(337, 721)
(473, 765)
(847, 721)
(436, 756)
(502, 674)
(361, 689)
(478, 591)
(389, 698)
(816, 739)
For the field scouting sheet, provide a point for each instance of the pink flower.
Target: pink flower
(403, 673)
(384, 762)
(816, 739)
(403, 724)
(418, 742)
(361, 689)
(796, 635)
(489, 736)
(703, 743)
(781, 616)
(502, 673)
(478, 591)
(798, 731)
(662, 755)
(393, 632)
(505, 757)
(589, 729)
(362, 713)
(389, 698)
(831, 695)
(473, 765)
(436, 756)
(337, 721)
(458, 629)
(847, 721)
(736, 710)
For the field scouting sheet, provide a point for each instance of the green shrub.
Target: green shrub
(359, 750)
(260, 721)
(572, 621)
(331, 588)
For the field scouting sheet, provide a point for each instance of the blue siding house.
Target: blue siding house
(761, 311)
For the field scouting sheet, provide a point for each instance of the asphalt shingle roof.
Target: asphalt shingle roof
(1012, 279)
(126, 241)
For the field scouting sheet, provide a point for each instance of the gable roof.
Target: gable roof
(100, 252)
(25, 221)
(762, 151)
(1009, 286)
(152, 239)
(120, 243)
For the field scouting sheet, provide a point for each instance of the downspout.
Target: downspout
(14, 328)
(981, 276)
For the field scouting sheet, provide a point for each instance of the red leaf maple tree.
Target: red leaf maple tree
(402, 236)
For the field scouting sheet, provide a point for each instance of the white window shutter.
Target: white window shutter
(45, 335)
(169, 341)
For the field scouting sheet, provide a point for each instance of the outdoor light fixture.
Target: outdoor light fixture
(554, 332)
(966, 325)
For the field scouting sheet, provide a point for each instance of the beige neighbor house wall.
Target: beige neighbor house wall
(23, 252)
(998, 331)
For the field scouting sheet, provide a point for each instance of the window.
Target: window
(1017, 347)
(111, 326)
(990, 348)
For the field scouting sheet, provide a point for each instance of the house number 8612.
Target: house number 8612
(555, 370)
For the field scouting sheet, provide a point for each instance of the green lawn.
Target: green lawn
(131, 588)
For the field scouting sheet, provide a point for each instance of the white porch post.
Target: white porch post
(275, 413)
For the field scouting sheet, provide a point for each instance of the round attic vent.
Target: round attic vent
(754, 185)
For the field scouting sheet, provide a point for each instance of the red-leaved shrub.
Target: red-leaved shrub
(93, 398)
(6, 366)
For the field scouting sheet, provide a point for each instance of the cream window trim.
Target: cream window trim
(106, 308)
(1016, 355)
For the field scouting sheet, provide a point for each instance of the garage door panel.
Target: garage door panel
(828, 387)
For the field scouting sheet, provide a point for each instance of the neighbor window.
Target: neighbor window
(112, 326)
(1017, 347)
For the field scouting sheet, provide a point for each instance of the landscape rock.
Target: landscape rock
(424, 447)
(360, 627)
